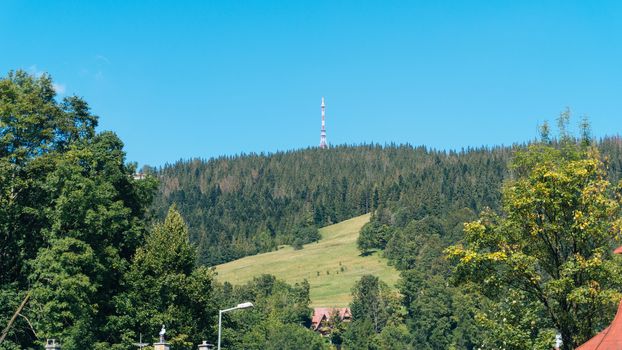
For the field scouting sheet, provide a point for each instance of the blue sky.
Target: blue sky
(182, 79)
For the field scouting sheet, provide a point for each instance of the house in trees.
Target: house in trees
(323, 317)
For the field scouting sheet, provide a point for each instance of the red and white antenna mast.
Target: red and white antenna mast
(323, 143)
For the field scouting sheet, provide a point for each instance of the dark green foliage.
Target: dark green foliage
(274, 335)
(336, 329)
(308, 234)
(164, 287)
(373, 300)
(440, 316)
(66, 284)
(242, 205)
(395, 337)
(361, 335)
(279, 320)
(374, 235)
(418, 244)
(297, 244)
(374, 307)
(71, 215)
(305, 234)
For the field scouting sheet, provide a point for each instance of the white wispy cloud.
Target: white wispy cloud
(59, 88)
(34, 70)
(102, 58)
(95, 68)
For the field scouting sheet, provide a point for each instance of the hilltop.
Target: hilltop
(244, 205)
(331, 266)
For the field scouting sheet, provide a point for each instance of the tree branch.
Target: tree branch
(30, 324)
(17, 312)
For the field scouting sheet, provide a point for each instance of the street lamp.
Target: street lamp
(245, 305)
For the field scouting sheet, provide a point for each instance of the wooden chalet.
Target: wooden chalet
(321, 319)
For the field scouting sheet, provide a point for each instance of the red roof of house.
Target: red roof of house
(611, 337)
(608, 339)
(319, 313)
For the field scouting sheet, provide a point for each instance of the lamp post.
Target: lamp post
(245, 305)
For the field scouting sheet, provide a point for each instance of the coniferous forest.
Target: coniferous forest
(498, 247)
(242, 205)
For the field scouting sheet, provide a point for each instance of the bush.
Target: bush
(298, 244)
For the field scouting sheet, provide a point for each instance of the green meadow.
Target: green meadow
(331, 266)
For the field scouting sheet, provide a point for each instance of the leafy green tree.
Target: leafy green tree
(440, 316)
(95, 211)
(165, 287)
(361, 336)
(35, 129)
(373, 300)
(374, 235)
(65, 292)
(518, 324)
(71, 215)
(280, 318)
(275, 335)
(551, 251)
(374, 306)
(418, 245)
(336, 329)
(395, 337)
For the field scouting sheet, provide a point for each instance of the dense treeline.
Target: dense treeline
(241, 205)
(238, 206)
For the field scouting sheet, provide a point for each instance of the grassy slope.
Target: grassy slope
(336, 250)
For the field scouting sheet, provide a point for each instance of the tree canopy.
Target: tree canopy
(71, 215)
(547, 258)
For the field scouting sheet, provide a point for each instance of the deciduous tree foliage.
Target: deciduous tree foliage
(373, 300)
(71, 215)
(280, 318)
(74, 232)
(373, 235)
(548, 256)
(374, 308)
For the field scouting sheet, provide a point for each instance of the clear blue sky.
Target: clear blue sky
(182, 79)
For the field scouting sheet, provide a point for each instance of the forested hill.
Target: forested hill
(242, 205)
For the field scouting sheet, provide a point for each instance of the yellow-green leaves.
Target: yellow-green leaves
(553, 244)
